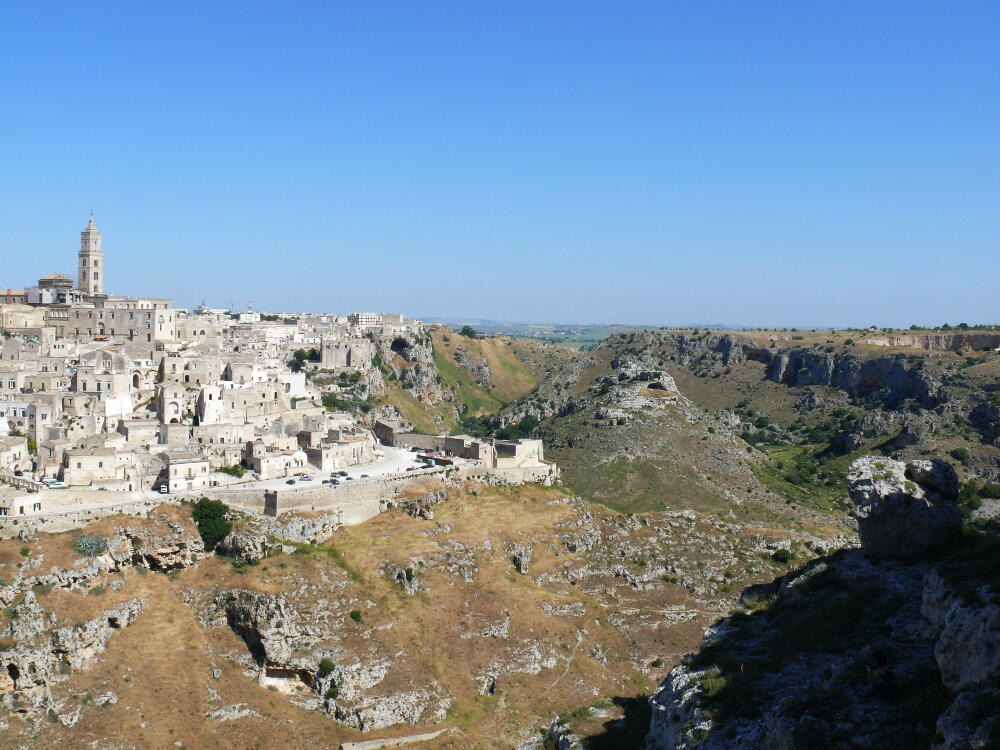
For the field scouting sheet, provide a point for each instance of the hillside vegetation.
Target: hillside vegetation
(468, 378)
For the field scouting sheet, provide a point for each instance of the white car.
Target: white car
(55, 484)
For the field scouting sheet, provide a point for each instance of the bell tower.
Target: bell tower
(91, 263)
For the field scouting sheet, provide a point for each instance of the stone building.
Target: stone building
(82, 466)
(187, 471)
(357, 353)
(91, 260)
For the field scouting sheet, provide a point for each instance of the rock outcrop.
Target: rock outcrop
(520, 557)
(41, 657)
(478, 367)
(903, 509)
(243, 544)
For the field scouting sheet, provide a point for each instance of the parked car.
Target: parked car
(56, 484)
(343, 473)
(306, 479)
(289, 481)
(18, 473)
(349, 479)
(334, 481)
(365, 476)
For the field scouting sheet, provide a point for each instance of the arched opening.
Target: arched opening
(135, 380)
(13, 671)
(399, 345)
(175, 420)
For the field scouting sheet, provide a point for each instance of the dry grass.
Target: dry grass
(161, 666)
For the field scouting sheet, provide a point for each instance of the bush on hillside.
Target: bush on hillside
(961, 454)
(89, 545)
(210, 517)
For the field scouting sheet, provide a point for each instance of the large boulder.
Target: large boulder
(903, 509)
(244, 545)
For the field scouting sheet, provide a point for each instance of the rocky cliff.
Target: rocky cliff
(855, 650)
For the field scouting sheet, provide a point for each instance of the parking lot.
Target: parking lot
(395, 461)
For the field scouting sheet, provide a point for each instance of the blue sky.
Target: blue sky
(664, 163)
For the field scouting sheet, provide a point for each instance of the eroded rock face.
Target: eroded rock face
(297, 528)
(42, 657)
(414, 707)
(520, 557)
(903, 509)
(176, 549)
(244, 545)
(420, 507)
(129, 546)
(968, 646)
(263, 621)
(478, 367)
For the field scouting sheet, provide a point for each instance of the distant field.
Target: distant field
(578, 337)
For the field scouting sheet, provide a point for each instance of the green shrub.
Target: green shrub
(960, 454)
(210, 517)
(356, 615)
(236, 470)
(781, 556)
(325, 667)
(469, 332)
(25, 551)
(990, 491)
(89, 545)
(332, 692)
(409, 575)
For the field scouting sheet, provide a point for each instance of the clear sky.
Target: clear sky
(797, 163)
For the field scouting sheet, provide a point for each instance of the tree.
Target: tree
(210, 518)
(469, 332)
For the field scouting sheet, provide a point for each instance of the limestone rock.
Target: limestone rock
(968, 645)
(520, 557)
(478, 367)
(264, 621)
(244, 545)
(292, 527)
(404, 576)
(903, 509)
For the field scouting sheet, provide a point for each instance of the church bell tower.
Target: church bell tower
(91, 263)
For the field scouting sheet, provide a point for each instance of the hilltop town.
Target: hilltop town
(361, 538)
(113, 403)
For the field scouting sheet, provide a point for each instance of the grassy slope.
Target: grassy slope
(424, 417)
(511, 378)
